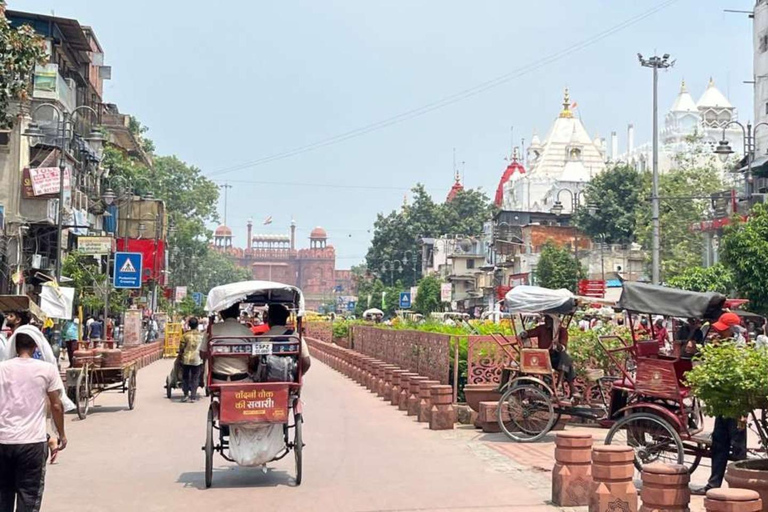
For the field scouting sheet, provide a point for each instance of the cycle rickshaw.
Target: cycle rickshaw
(647, 405)
(257, 420)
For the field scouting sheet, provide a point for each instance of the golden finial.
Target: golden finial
(566, 105)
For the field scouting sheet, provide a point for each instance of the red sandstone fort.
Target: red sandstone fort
(275, 258)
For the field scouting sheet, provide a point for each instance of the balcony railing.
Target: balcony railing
(50, 85)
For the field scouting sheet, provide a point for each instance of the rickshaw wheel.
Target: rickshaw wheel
(168, 387)
(132, 390)
(651, 437)
(298, 445)
(525, 413)
(82, 394)
(209, 449)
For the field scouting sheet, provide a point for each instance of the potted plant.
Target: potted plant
(732, 381)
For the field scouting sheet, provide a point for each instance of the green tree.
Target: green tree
(187, 307)
(397, 235)
(616, 194)
(716, 278)
(557, 268)
(89, 280)
(744, 251)
(427, 296)
(20, 50)
(684, 198)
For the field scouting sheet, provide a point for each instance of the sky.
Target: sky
(228, 86)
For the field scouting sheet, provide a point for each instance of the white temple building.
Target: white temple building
(704, 119)
(559, 168)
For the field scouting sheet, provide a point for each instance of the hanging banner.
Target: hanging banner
(46, 180)
(446, 290)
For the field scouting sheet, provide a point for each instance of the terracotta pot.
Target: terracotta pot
(749, 474)
(476, 393)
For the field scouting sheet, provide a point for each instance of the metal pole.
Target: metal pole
(750, 157)
(106, 296)
(60, 220)
(655, 191)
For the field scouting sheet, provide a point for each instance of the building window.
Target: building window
(763, 43)
(5, 138)
(470, 263)
(766, 108)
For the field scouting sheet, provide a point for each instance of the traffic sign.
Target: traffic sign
(405, 300)
(351, 305)
(127, 270)
(198, 298)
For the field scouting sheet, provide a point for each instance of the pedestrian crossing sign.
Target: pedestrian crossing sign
(127, 270)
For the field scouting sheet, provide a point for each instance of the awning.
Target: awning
(758, 166)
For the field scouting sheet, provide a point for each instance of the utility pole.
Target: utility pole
(655, 63)
(225, 186)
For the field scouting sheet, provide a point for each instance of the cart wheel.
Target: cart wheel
(209, 449)
(526, 413)
(298, 445)
(168, 387)
(652, 438)
(132, 390)
(82, 394)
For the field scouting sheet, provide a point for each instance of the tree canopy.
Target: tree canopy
(558, 268)
(716, 278)
(744, 251)
(616, 195)
(427, 296)
(397, 235)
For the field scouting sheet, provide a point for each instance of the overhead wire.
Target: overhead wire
(453, 98)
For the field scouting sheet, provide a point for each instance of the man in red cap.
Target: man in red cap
(726, 326)
(727, 436)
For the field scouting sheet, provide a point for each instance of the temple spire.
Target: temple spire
(566, 105)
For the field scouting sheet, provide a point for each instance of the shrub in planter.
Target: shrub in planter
(731, 381)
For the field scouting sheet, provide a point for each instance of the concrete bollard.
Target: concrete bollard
(487, 416)
(732, 500)
(405, 388)
(413, 394)
(425, 400)
(612, 473)
(572, 474)
(665, 488)
(386, 386)
(378, 379)
(365, 362)
(442, 416)
(373, 375)
(394, 393)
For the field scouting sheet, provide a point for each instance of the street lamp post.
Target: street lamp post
(655, 63)
(64, 123)
(576, 200)
(391, 268)
(724, 150)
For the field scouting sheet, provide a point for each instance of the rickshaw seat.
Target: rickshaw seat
(647, 348)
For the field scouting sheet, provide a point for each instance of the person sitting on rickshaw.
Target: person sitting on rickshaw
(228, 368)
(277, 318)
(552, 336)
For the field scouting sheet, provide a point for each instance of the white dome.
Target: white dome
(713, 98)
(684, 101)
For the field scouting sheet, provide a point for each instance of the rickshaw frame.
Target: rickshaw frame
(222, 412)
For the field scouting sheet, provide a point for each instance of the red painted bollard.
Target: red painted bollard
(665, 488)
(378, 373)
(405, 388)
(379, 390)
(425, 400)
(373, 374)
(413, 394)
(386, 389)
(442, 416)
(365, 368)
(394, 394)
(612, 472)
(572, 474)
(733, 500)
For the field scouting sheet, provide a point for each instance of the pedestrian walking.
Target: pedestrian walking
(191, 362)
(69, 335)
(28, 388)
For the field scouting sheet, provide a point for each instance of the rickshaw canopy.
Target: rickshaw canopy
(255, 292)
(535, 299)
(662, 300)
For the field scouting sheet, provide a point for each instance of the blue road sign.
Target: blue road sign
(198, 298)
(127, 270)
(351, 305)
(405, 300)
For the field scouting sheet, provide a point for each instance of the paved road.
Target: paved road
(361, 455)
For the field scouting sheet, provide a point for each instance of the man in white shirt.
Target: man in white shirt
(27, 386)
(228, 368)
